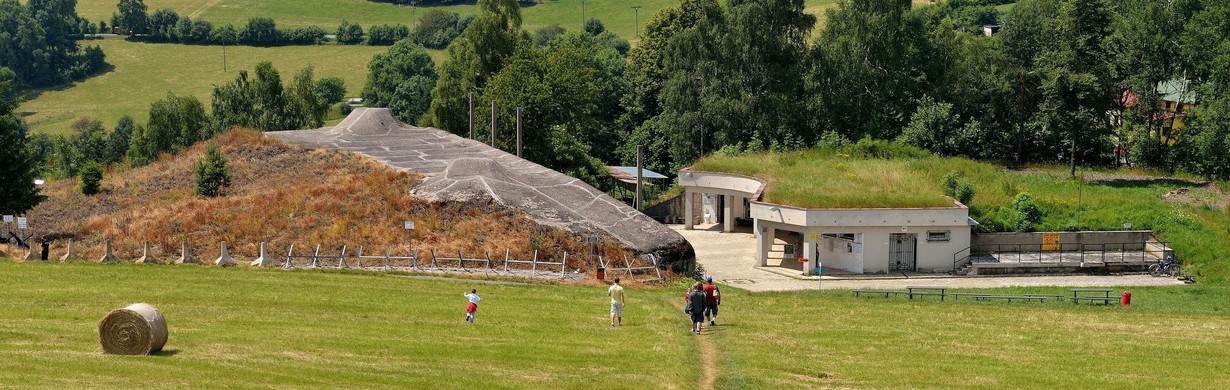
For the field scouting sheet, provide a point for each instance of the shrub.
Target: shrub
(950, 183)
(383, 34)
(91, 177)
(1023, 215)
(349, 34)
(964, 192)
(212, 174)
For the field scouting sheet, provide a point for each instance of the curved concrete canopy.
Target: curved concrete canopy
(464, 170)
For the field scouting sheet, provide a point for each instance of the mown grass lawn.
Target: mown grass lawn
(274, 328)
(830, 339)
(145, 72)
(258, 328)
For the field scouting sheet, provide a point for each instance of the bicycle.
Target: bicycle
(1167, 267)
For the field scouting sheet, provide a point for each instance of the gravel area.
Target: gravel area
(730, 258)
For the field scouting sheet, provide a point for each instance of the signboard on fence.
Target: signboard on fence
(409, 225)
(1050, 241)
(21, 223)
(8, 219)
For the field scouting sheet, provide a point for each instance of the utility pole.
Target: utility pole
(518, 131)
(636, 9)
(223, 56)
(471, 94)
(640, 164)
(414, 16)
(582, 15)
(493, 123)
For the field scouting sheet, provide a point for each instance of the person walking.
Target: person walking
(713, 298)
(472, 305)
(616, 292)
(696, 300)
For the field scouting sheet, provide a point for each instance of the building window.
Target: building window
(937, 235)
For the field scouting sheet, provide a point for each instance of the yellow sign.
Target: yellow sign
(1050, 241)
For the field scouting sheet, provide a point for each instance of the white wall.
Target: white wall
(834, 254)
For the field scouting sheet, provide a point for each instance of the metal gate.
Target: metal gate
(901, 251)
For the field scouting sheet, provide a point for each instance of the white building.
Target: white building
(867, 240)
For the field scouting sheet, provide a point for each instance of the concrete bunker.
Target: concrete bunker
(458, 169)
(852, 241)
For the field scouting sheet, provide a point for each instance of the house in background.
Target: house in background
(1176, 100)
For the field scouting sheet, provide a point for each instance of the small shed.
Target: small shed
(625, 182)
(990, 29)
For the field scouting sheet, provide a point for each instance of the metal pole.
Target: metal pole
(471, 94)
(639, 173)
(636, 9)
(518, 131)
(493, 123)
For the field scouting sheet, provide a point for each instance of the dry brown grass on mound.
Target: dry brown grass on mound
(281, 194)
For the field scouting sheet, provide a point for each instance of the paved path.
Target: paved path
(730, 258)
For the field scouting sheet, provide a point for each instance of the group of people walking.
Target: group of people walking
(701, 304)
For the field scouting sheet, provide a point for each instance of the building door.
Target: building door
(901, 251)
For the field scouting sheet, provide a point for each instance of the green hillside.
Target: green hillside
(145, 72)
(310, 329)
(618, 15)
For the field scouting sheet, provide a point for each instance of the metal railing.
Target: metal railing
(1120, 252)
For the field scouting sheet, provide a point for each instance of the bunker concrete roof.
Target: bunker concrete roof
(458, 169)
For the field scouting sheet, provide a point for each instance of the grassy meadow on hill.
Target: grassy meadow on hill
(618, 15)
(307, 328)
(146, 72)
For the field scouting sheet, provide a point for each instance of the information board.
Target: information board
(1050, 241)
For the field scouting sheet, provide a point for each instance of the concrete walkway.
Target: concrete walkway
(730, 258)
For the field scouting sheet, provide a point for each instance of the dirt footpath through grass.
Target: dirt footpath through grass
(730, 258)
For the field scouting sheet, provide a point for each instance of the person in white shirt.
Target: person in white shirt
(472, 305)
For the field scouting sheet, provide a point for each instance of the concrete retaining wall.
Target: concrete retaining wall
(1114, 240)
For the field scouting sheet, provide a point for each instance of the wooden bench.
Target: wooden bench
(972, 295)
(1091, 295)
(885, 292)
(926, 290)
(1048, 296)
(1104, 300)
(1011, 298)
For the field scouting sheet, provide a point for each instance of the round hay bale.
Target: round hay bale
(138, 329)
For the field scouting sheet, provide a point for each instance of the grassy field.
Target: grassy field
(145, 72)
(618, 15)
(1192, 215)
(271, 328)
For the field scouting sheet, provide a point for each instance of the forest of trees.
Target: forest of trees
(742, 75)
(38, 43)
(1074, 82)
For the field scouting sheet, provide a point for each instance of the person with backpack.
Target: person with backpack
(713, 298)
(696, 304)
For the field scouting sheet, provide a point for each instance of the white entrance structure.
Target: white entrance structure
(863, 240)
